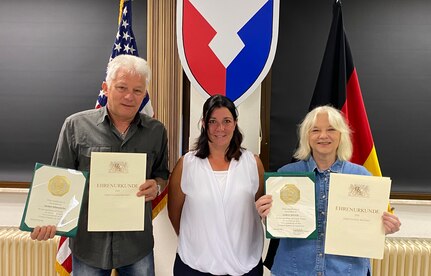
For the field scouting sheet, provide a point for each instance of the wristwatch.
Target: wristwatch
(159, 189)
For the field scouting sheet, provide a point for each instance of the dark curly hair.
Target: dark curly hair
(201, 146)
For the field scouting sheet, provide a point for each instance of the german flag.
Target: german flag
(338, 86)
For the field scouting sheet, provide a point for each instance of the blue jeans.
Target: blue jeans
(143, 267)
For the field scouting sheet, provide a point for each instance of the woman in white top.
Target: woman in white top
(212, 192)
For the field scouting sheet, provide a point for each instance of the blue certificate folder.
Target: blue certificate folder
(311, 176)
(54, 198)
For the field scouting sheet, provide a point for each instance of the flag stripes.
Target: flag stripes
(63, 264)
(338, 85)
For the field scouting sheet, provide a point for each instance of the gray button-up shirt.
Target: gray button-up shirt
(92, 130)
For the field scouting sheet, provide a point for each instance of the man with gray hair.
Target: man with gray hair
(117, 127)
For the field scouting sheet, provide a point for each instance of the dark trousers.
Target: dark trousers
(181, 269)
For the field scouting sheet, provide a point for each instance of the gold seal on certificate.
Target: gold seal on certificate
(59, 185)
(54, 198)
(293, 211)
(290, 194)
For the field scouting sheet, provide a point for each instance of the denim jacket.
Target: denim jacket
(307, 257)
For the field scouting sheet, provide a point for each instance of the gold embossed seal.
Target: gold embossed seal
(59, 185)
(290, 194)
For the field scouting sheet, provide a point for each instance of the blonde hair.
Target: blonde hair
(337, 121)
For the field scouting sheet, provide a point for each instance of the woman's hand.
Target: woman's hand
(263, 205)
(391, 222)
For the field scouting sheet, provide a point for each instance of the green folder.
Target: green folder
(54, 198)
(290, 198)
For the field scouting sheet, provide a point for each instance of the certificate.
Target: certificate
(355, 207)
(114, 181)
(293, 211)
(54, 198)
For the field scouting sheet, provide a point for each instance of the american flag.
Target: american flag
(63, 262)
(124, 44)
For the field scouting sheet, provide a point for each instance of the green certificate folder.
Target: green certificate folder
(54, 198)
(293, 212)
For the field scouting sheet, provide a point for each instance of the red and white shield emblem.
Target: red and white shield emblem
(227, 46)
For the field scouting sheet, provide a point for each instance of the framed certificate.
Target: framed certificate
(115, 178)
(293, 211)
(354, 225)
(54, 198)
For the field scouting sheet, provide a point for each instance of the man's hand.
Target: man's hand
(148, 189)
(43, 233)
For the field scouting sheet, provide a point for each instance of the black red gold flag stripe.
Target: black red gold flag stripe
(338, 85)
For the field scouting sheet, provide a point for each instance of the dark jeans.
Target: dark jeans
(181, 269)
(144, 266)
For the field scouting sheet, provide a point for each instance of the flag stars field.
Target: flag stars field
(126, 35)
(117, 47)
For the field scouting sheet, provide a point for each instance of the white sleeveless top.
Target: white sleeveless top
(220, 233)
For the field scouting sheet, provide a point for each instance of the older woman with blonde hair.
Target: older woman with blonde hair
(324, 147)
